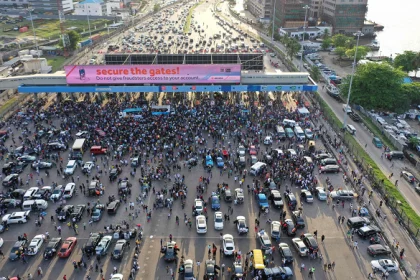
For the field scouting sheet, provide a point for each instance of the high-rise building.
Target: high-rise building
(346, 16)
(315, 9)
(290, 13)
(261, 9)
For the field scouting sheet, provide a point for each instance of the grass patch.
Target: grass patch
(49, 29)
(187, 24)
(56, 62)
(389, 187)
(8, 105)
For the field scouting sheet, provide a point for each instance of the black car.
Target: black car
(285, 253)
(298, 220)
(378, 250)
(310, 241)
(268, 159)
(119, 249)
(11, 203)
(64, 212)
(7, 167)
(113, 207)
(17, 194)
(113, 174)
(123, 186)
(92, 242)
(19, 167)
(52, 248)
(78, 212)
(355, 117)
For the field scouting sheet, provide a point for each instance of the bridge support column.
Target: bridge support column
(266, 98)
(211, 95)
(36, 96)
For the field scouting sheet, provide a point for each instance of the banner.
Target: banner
(153, 74)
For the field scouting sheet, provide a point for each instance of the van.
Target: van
(280, 132)
(98, 150)
(289, 133)
(351, 129)
(69, 190)
(30, 193)
(395, 154)
(328, 161)
(299, 133)
(357, 222)
(289, 123)
(39, 204)
(347, 108)
(257, 168)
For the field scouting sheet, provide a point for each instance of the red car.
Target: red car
(67, 247)
(252, 150)
(225, 153)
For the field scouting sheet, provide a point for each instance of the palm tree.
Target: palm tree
(326, 34)
(292, 47)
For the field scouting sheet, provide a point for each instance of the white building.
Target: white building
(297, 33)
(91, 7)
(111, 5)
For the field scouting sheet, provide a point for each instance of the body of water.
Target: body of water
(401, 20)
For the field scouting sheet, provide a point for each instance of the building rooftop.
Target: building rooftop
(91, 2)
(300, 29)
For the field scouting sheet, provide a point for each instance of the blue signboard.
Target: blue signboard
(192, 88)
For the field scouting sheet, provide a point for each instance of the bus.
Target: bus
(78, 148)
(257, 259)
(161, 110)
(131, 112)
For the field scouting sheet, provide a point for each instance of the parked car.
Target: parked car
(52, 248)
(102, 248)
(300, 247)
(377, 142)
(67, 247)
(378, 249)
(286, 253)
(228, 245)
(384, 265)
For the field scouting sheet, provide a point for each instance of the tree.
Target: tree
(406, 61)
(339, 40)
(292, 48)
(326, 34)
(74, 39)
(156, 8)
(315, 73)
(416, 63)
(326, 43)
(377, 86)
(361, 52)
(350, 43)
(412, 91)
(341, 52)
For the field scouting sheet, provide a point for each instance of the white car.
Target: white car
(300, 247)
(16, 217)
(384, 265)
(241, 224)
(117, 276)
(198, 206)
(275, 229)
(268, 140)
(70, 167)
(87, 167)
(201, 224)
(228, 245)
(69, 190)
(36, 244)
(307, 196)
(103, 246)
(81, 134)
(57, 193)
(218, 220)
(321, 194)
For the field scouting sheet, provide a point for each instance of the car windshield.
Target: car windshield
(63, 250)
(263, 200)
(117, 252)
(219, 219)
(215, 200)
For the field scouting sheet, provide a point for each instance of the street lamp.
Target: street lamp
(33, 29)
(274, 18)
(358, 34)
(90, 33)
(306, 7)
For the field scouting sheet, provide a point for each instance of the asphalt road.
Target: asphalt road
(350, 264)
(364, 137)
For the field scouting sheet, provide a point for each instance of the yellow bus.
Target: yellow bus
(257, 259)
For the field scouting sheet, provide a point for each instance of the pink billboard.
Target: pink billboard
(153, 74)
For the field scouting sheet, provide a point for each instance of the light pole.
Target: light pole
(90, 33)
(358, 34)
(306, 7)
(33, 29)
(274, 18)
